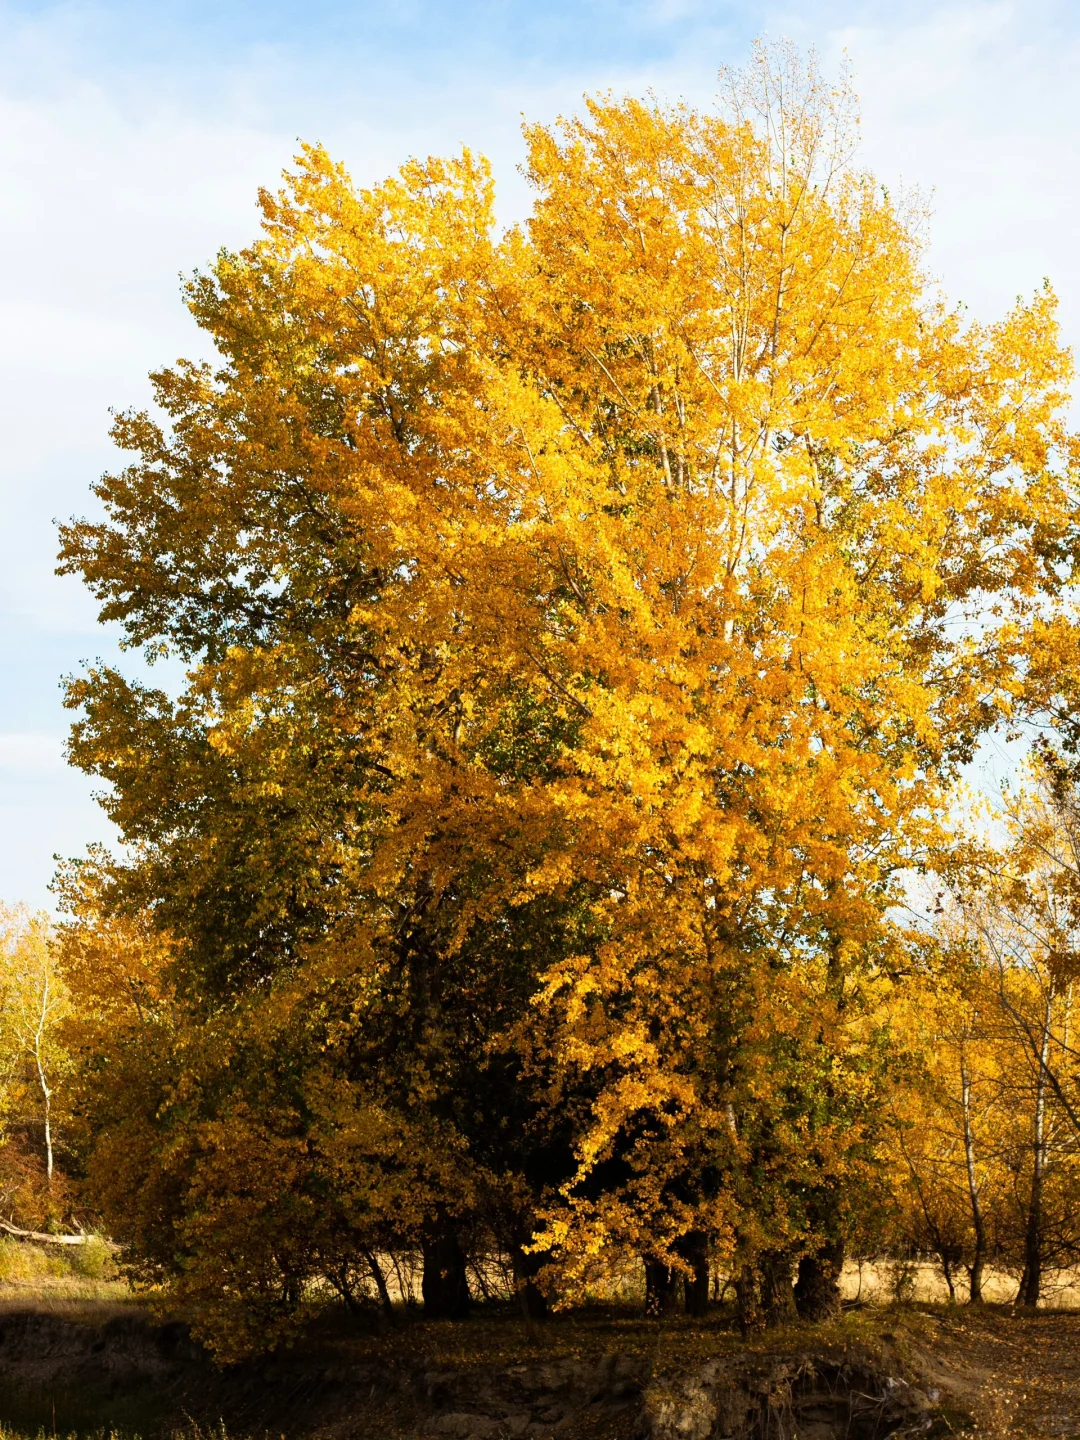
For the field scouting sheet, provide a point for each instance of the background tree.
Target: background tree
(34, 1064)
(953, 1115)
(1020, 906)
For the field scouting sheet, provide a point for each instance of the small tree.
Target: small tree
(34, 1002)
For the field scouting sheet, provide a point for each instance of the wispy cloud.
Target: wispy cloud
(976, 103)
(135, 137)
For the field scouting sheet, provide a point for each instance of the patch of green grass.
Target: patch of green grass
(67, 1412)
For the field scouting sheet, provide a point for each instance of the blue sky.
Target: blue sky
(134, 136)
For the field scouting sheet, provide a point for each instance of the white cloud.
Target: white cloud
(104, 210)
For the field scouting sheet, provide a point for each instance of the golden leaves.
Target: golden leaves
(655, 563)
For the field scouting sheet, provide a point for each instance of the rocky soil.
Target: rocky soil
(474, 1382)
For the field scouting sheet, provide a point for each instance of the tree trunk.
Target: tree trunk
(445, 1285)
(533, 1301)
(748, 1301)
(817, 1289)
(340, 1280)
(978, 1219)
(949, 1259)
(46, 1093)
(42, 1237)
(694, 1249)
(1031, 1282)
(696, 1288)
(380, 1281)
(661, 1287)
(777, 1293)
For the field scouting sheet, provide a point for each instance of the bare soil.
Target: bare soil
(1018, 1372)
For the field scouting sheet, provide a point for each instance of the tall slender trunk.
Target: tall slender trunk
(1032, 1279)
(46, 1093)
(947, 1271)
(978, 1219)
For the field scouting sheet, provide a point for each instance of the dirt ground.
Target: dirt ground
(1017, 1373)
(987, 1372)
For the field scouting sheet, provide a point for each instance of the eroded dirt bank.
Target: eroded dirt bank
(920, 1374)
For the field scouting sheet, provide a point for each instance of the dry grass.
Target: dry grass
(77, 1279)
(84, 1281)
(7, 1433)
(883, 1282)
(189, 1432)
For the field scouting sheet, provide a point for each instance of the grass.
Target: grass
(189, 1432)
(880, 1282)
(65, 1279)
(500, 1338)
(62, 1279)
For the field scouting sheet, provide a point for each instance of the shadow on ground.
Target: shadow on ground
(591, 1377)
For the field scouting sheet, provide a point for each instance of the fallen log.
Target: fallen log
(39, 1237)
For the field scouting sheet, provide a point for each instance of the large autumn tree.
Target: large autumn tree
(582, 628)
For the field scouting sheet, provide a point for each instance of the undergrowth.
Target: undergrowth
(29, 1273)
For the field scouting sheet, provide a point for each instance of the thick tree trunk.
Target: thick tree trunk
(978, 1220)
(661, 1287)
(694, 1249)
(445, 1285)
(817, 1289)
(533, 1301)
(777, 1292)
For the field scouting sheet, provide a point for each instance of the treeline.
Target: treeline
(988, 1136)
(977, 1164)
(584, 628)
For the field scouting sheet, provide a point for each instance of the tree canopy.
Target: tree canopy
(583, 626)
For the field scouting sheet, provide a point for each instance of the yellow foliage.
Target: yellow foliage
(584, 626)
(34, 1003)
